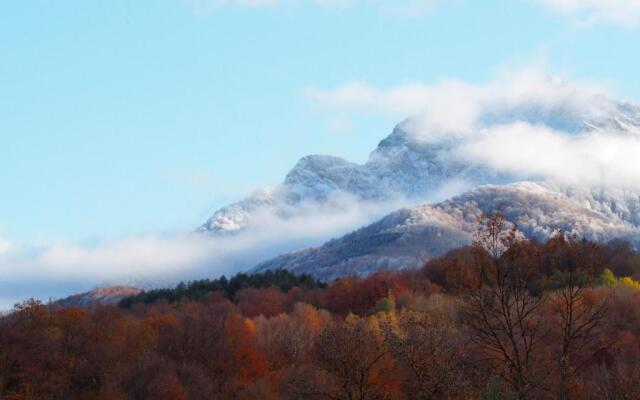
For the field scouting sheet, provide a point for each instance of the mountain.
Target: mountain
(410, 236)
(98, 296)
(417, 161)
(426, 159)
(400, 167)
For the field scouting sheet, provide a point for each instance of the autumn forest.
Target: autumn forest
(506, 318)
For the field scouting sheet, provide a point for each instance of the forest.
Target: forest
(505, 318)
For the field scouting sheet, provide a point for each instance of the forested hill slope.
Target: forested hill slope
(410, 236)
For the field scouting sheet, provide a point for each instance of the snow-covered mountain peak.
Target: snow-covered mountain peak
(316, 177)
(416, 161)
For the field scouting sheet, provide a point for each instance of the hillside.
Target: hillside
(410, 236)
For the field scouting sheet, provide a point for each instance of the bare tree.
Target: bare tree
(505, 318)
(433, 355)
(577, 317)
(350, 364)
(620, 380)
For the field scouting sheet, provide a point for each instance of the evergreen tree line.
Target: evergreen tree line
(198, 289)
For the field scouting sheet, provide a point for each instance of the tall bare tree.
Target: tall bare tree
(577, 316)
(433, 353)
(505, 318)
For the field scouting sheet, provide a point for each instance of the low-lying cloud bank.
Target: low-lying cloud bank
(61, 269)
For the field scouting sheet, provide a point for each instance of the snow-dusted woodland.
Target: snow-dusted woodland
(413, 235)
(102, 295)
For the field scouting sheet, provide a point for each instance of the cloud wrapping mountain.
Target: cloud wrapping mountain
(521, 127)
(56, 270)
(577, 144)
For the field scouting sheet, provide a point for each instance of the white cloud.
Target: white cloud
(393, 7)
(208, 5)
(5, 246)
(595, 159)
(341, 124)
(624, 12)
(585, 12)
(523, 123)
(404, 99)
(159, 260)
(453, 107)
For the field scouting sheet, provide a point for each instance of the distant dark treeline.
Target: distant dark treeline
(198, 289)
(504, 319)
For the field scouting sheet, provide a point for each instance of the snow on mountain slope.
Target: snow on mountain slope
(410, 236)
(99, 296)
(417, 161)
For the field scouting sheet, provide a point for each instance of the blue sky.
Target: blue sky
(137, 117)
